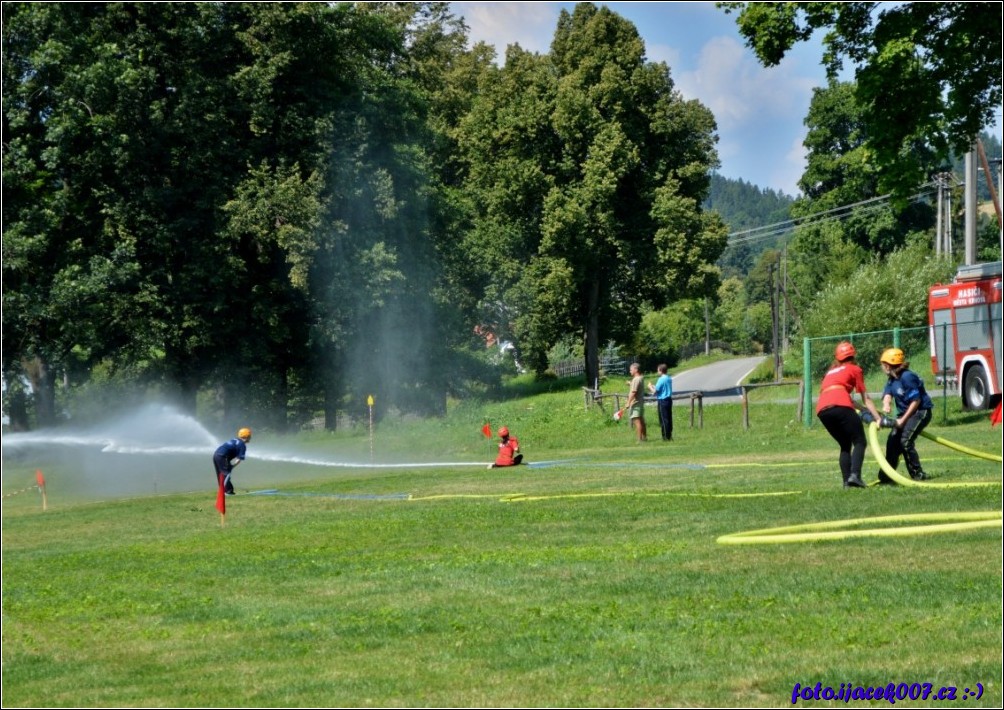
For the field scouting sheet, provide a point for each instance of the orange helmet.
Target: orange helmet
(845, 351)
(244, 434)
(892, 356)
(504, 431)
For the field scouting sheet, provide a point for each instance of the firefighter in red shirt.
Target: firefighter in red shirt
(839, 413)
(508, 450)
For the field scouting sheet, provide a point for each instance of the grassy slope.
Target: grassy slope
(607, 590)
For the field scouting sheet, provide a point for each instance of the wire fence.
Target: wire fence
(940, 377)
(608, 366)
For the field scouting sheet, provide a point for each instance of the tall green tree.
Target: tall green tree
(108, 180)
(839, 173)
(384, 313)
(510, 149)
(927, 75)
(841, 181)
(294, 111)
(590, 171)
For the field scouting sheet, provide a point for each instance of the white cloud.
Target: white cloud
(789, 171)
(529, 24)
(656, 52)
(731, 82)
(757, 110)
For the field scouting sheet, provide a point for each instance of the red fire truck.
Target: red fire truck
(965, 326)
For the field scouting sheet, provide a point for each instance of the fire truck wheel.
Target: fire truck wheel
(976, 388)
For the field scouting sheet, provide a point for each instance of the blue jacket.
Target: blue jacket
(664, 387)
(235, 448)
(908, 387)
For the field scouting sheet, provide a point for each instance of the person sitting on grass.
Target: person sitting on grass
(508, 451)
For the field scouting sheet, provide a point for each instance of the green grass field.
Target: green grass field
(595, 581)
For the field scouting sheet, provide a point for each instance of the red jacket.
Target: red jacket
(838, 385)
(508, 448)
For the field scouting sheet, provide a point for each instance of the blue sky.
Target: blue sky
(760, 111)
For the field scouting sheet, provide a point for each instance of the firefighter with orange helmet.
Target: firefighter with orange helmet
(838, 412)
(914, 409)
(509, 454)
(228, 456)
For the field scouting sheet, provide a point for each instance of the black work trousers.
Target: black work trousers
(666, 418)
(845, 426)
(901, 442)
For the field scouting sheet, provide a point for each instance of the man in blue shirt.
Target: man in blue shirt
(228, 456)
(913, 410)
(663, 391)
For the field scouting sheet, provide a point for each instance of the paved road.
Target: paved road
(718, 381)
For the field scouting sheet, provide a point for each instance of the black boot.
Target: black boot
(884, 480)
(854, 481)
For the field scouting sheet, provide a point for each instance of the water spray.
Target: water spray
(369, 403)
(39, 486)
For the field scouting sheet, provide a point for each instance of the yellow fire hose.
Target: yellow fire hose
(808, 532)
(960, 447)
(936, 522)
(873, 444)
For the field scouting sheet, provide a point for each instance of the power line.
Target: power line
(835, 214)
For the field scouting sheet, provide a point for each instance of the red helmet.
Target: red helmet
(504, 431)
(845, 351)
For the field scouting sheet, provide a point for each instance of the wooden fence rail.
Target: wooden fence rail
(595, 396)
(744, 393)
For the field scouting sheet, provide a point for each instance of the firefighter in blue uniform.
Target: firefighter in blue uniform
(228, 456)
(913, 413)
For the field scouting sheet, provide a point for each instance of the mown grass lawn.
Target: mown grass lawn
(595, 581)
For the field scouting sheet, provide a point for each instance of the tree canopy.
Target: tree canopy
(193, 199)
(589, 171)
(927, 75)
(279, 209)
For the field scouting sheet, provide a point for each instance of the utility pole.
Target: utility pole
(707, 328)
(938, 230)
(949, 246)
(782, 288)
(1000, 191)
(773, 320)
(970, 207)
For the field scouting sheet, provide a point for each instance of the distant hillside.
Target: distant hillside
(744, 206)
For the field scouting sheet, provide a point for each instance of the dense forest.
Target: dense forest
(269, 212)
(744, 207)
(279, 209)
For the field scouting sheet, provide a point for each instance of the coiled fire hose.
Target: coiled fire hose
(934, 522)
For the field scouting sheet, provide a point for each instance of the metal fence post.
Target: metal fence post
(801, 398)
(807, 379)
(944, 373)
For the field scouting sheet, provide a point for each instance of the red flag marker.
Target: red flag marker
(40, 479)
(221, 501)
(487, 430)
(995, 416)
